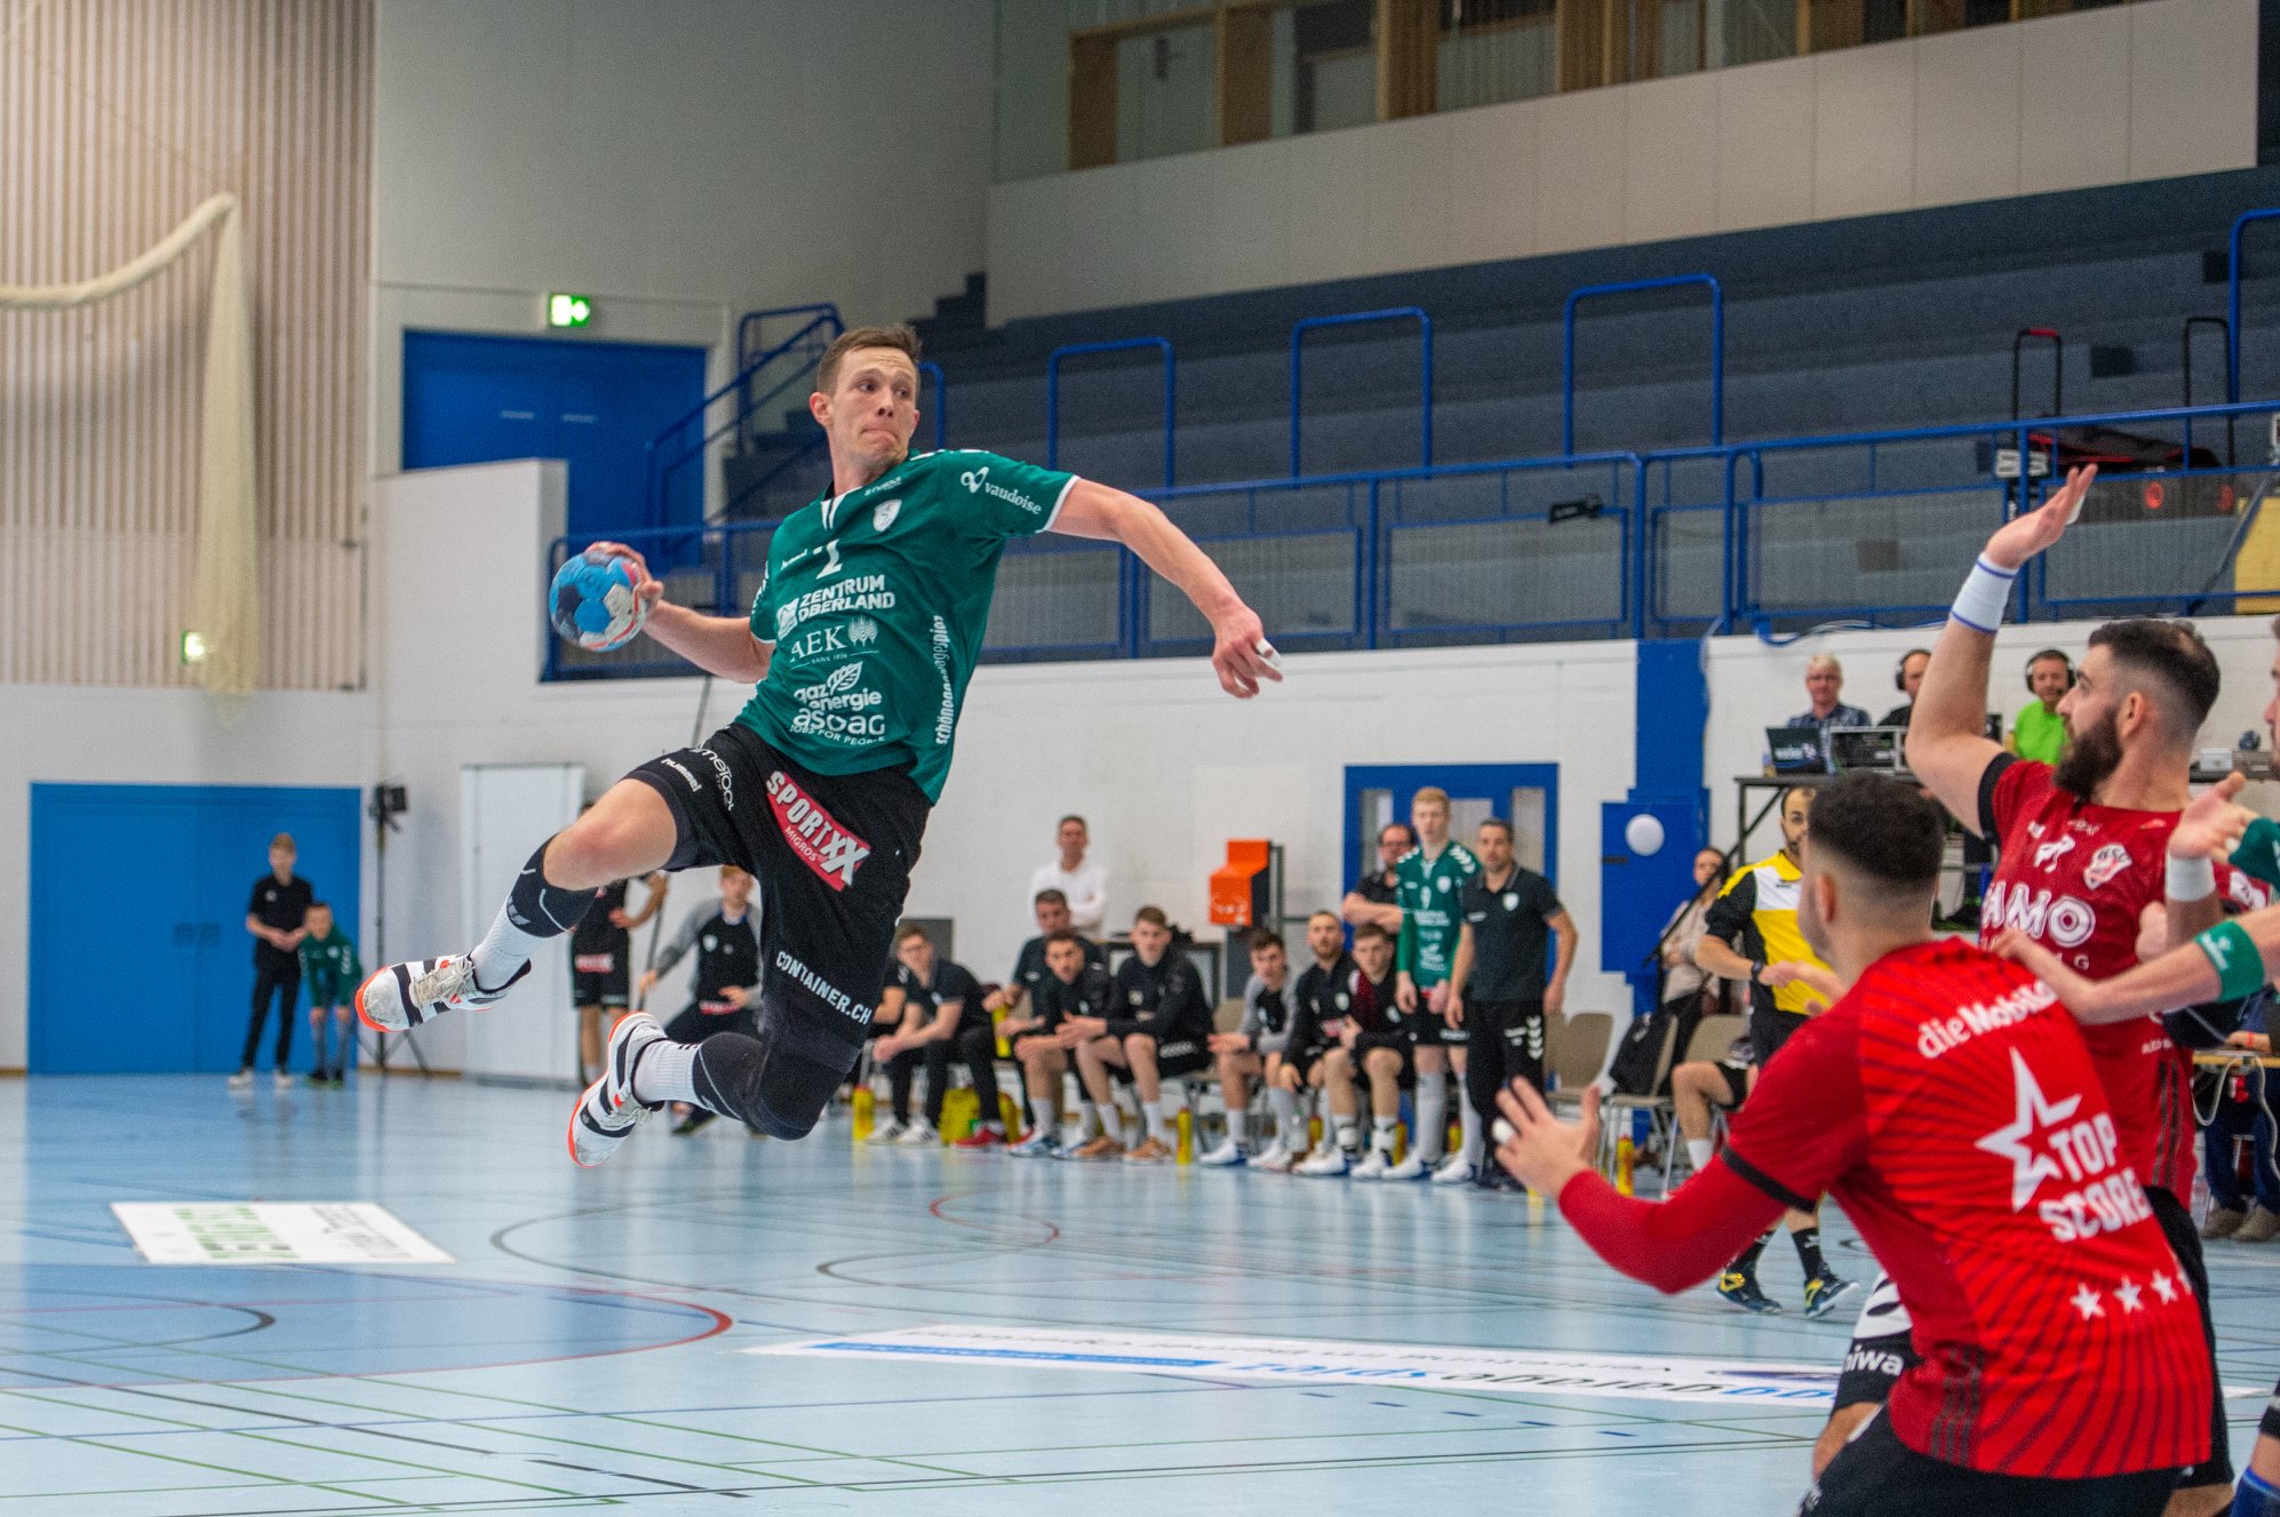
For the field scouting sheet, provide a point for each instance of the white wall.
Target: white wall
(107, 736)
(1754, 686)
(682, 161)
(2144, 91)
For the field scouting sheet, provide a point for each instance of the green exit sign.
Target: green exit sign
(569, 310)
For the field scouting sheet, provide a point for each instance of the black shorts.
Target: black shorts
(2185, 1242)
(1399, 1042)
(1429, 1029)
(1769, 1030)
(833, 855)
(1737, 1078)
(602, 977)
(1181, 1056)
(1876, 1475)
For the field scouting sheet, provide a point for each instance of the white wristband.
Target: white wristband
(2192, 879)
(1979, 604)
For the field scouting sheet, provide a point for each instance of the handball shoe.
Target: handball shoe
(886, 1134)
(1331, 1161)
(607, 1113)
(1411, 1168)
(1275, 1159)
(1824, 1291)
(980, 1137)
(401, 997)
(1151, 1151)
(1102, 1147)
(1741, 1288)
(1228, 1155)
(919, 1134)
(1377, 1164)
(1042, 1143)
(1456, 1170)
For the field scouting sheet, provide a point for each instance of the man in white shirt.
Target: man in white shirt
(1084, 883)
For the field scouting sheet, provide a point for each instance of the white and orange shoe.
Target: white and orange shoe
(400, 997)
(607, 1113)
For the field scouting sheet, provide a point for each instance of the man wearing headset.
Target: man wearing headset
(2039, 732)
(1907, 676)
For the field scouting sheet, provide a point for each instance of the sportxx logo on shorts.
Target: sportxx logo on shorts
(823, 845)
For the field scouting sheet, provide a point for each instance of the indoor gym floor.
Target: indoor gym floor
(585, 1350)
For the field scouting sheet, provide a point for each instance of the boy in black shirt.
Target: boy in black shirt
(957, 1032)
(1498, 989)
(727, 981)
(275, 915)
(1319, 999)
(1161, 1026)
(601, 962)
(1073, 987)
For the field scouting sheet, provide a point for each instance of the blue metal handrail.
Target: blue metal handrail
(1077, 349)
(941, 406)
(2240, 224)
(1424, 372)
(748, 325)
(1635, 286)
(655, 474)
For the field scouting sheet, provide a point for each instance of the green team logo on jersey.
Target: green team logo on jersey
(876, 601)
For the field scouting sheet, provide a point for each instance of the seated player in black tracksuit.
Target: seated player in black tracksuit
(1373, 1038)
(1073, 986)
(1319, 998)
(726, 938)
(1029, 971)
(956, 1031)
(1161, 1026)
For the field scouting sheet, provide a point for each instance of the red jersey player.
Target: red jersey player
(1948, 1102)
(2086, 850)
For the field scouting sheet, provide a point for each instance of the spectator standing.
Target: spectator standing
(1376, 896)
(1433, 877)
(1824, 682)
(1909, 676)
(2039, 732)
(1081, 881)
(277, 916)
(1501, 990)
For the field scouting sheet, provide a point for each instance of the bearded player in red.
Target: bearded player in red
(2087, 848)
(1948, 1102)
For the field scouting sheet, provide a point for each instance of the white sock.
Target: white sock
(1239, 1127)
(503, 951)
(1698, 1151)
(1154, 1112)
(1349, 1136)
(1432, 1133)
(1290, 1128)
(1468, 1124)
(1381, 1135)
(666, 1071)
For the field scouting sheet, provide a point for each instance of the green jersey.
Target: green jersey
(1431, 892)
(875, 601)
(329, 968)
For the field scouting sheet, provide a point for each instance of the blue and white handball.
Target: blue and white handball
(592, 601)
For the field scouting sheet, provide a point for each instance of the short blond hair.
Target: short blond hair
(1826, 661)
(901, 336)
(1429, 793)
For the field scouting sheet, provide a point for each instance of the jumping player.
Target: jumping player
(2089, 847)
(1948, 1102)
(862, 638)
(1432, 879)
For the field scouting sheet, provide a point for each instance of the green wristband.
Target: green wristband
(2259, 851)
(2234, 956)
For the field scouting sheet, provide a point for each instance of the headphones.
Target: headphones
(2028, 673)
(1900, 670)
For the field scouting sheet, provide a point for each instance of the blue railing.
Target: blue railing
(931, 370)
(1125, 345)
(1424, 374)
(1633, 287)
(685, 442)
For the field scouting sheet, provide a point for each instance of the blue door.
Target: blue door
(473, 399)
(1526, 795)
(140, 961)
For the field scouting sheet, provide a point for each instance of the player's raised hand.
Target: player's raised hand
(2022, 537)
(1240, 652)
(2078, 991)
(1538, 1149)
(2211, 826)
(650, 589)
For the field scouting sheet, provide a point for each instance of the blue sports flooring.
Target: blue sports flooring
(584, 1350)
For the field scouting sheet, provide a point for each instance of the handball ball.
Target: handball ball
(593, 603)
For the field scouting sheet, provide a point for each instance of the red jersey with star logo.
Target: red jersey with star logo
(1949, 1103)
(2077, 878)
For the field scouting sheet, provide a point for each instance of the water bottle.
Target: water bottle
(1187, 1136)
(865, 1108)
(1623, 1154)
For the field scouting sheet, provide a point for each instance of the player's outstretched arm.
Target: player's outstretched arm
(722, 646)
(1240, 651)
(2244, 951)
(1948, 746)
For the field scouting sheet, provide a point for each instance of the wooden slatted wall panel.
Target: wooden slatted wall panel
(117, 117)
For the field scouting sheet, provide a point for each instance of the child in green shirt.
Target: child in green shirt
(330, 969)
